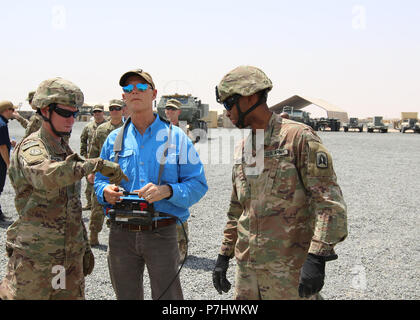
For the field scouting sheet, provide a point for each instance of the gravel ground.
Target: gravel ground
(379, 175)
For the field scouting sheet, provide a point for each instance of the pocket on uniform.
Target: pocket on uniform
(240, 182)
(284, 179)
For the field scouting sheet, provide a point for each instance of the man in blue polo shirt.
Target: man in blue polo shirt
(182, 184)
(6, 113)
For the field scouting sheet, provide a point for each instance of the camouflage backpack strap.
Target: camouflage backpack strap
(118, 143)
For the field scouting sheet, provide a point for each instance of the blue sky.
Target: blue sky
(362, 56)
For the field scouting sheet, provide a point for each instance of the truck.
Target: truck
(323, 123)
(299, 116)
(409, 121)
(353, 124)
(192, 111)
(85, 112)
(377, 124)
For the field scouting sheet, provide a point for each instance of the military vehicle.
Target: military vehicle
(410, 122)
(192, 111)
(299, 116)
(377, 124)
(322, 124)
(353, 124)
(85, 112)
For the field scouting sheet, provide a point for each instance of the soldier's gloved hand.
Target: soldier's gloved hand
(113, 171)
(109, 169)
(219, 274)
(312, 276)
(88, 262)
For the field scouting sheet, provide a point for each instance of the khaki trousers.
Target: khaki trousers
(129, 252)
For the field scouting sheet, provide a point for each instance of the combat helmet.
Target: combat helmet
(244, 81)
(57, 91)
(30, 98)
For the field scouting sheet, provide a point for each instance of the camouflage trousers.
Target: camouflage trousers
(182, 241)
(27, 279)
(261, 284)
(88, 193)
(96, 215)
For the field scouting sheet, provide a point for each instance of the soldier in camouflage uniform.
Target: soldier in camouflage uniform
(286, 211)
(47, 246)
(172, 112)
(99, 137)
(85, 142)
(35, 121)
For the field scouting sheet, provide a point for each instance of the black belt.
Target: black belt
(155, 225)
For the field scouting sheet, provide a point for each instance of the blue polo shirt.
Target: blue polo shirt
(140, 160)
(4, 135)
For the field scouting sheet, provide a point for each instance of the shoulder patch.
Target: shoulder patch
(319, 162)
(33, 152)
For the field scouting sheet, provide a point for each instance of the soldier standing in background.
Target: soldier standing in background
(97, 215)
(85, 142)
(35, 121)
(172, 112)
(47, 246)
(287, 213)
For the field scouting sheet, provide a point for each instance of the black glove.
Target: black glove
(219, 274)
(312, 276)
(88, 262)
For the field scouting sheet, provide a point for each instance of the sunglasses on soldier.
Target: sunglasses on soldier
(140, 86)
(115, 108)
(65, 113)
(230, 102)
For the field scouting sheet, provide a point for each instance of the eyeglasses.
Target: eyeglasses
(66, 113)
(230, 102)
(115, 108)
(10, 109)
(97, 111)
(140, 86)
(171, 108)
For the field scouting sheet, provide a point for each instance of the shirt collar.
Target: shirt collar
(56, 146)
(273, 128)
(4, 118)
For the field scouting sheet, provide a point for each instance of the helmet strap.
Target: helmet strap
(242, 115)
(57, 133)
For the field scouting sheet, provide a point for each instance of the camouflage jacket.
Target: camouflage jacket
(99, 138)
(292, 207)
(87, 135)
(46, 177)
(35, 122)
(23, 122)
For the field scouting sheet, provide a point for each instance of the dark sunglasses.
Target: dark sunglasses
(140, 86)
(115, 108)
(171, 108)
(65, 113)
(230, 102)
